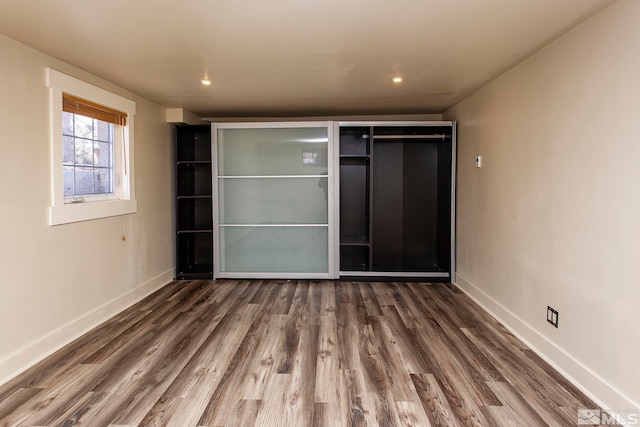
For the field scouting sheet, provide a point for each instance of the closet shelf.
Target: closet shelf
(196, 229)
(354, 241)
(193, 162)
(437, 136)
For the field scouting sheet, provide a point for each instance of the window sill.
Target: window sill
(76, 212)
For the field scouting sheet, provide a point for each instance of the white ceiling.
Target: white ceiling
(294, 57)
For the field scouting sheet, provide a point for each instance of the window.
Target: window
(91, 151)
(87, 160)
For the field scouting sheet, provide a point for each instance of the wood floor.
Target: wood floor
(295, 353)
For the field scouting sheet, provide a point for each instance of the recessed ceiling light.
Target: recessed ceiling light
(205, 82)
(397, 79)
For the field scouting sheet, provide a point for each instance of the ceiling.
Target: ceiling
(295, 57)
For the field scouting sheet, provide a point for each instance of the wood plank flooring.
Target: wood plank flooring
(295, 353)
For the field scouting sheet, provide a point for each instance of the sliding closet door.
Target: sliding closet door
(273, 200)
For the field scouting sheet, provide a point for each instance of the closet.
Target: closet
(316, 200)
(194, 224)
(396, 199)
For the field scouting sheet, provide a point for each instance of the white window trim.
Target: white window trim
(125, 200)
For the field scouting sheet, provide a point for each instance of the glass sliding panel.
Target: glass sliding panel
(273, 200)
(274, 249)
(272, 151)
(272, 210)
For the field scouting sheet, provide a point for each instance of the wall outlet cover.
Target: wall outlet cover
(552, 316)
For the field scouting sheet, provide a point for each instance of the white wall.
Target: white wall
(553, 216)
(56, 282)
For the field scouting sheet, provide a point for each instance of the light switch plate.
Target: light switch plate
(478, 161)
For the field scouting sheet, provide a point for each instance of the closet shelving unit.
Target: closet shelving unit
(355, 197)
(194, 224)
(397, 199)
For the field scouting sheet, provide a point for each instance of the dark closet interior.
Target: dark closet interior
(194, 220)
(355, 198)
(395, 199)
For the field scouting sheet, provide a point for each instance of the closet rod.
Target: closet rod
(438, 136)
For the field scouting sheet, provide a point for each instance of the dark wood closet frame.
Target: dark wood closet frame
(358, 237)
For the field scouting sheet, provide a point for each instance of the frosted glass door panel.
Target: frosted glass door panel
(272, 211)
(274, 249)
(272, 151)
(273, 200)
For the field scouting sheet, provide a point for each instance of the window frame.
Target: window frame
(122, 200)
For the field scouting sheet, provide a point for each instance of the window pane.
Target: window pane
(68, 180)
(84, 181)
(102, 180)
(84, 152)
(102, 154)
(87, 158)
(67, 123)
(83, 126)
(102, 131)
(68, 150)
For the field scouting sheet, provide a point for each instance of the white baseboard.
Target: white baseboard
(34, 352)
(599, 390)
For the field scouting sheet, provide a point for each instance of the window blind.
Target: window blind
(72, 104)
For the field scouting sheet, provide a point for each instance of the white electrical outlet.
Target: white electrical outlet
(478, 161)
